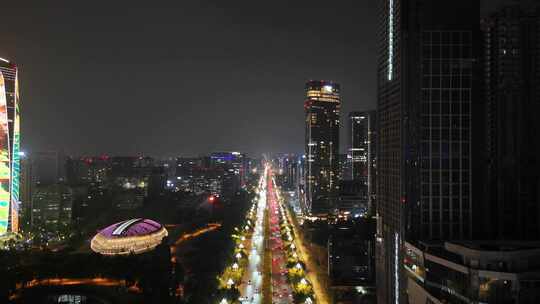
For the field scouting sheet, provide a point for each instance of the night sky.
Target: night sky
(185, 78)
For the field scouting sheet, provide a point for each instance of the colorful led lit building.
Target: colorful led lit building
(9, 147)
(322, 108)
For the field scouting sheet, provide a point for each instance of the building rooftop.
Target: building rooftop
(133, 227)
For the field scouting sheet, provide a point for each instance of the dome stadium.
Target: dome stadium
(132, 236)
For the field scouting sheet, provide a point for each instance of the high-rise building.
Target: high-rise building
(287, 171)
(343, 166)
(9, 147)
(47, 166)
(85, 170)
(352, 201)
(234, 161)
(357, 128)
(322, 108)
(189, 167)
(512, 84)
(361, 150)
(52, 205)
(351, 260)
(27, 183)
(221, 173)
(426, 64)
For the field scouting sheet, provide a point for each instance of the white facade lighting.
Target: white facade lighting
(390, 39)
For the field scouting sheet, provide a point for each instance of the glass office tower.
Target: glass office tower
(322, 108)
(426, 88)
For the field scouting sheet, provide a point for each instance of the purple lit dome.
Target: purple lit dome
(134, 227)
(129, 237)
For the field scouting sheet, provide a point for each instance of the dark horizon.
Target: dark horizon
(187, 79)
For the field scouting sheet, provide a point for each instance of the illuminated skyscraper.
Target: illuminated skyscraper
(9, 147)
(322, 108)
(361, 150)
(287, 165)
(426, 88)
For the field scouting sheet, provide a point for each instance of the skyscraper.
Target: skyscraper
(322, 108)
(512, 83)
(9, 147)
(425, 92)
(287, 165)
(53, 204)
(47, 166)
(361, 149)
(26, 186)
(357, 128)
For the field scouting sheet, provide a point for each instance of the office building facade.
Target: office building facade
(351, 261)
(473, 272)
(426, 87)
(322, 108)
(361, 150)
(52, 205)
(512, 84)
(287, 171)
(357, 150)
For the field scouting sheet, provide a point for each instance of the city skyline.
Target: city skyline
(168, 154)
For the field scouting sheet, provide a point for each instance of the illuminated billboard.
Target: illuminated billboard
(5, 172)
